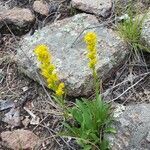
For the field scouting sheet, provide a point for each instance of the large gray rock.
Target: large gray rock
(146, 29)
(98, 7)
(133, 128)
(71, 61)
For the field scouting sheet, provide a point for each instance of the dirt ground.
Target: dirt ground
(132, 79)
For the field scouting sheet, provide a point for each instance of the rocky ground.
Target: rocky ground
(28, 117)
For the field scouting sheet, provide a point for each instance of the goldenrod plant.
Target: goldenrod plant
(92, 119)
(48, 71)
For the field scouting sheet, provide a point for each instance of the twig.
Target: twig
(40, 122)
(128, 89)
(107, 91)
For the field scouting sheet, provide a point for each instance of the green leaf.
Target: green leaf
(77, 115)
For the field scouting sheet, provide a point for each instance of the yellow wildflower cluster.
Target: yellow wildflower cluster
(91, 41)
(48, 70)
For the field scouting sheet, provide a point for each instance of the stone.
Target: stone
(41, 7)
(20, 139)
(19, 17)
(132, 126)
(146, 29)
(70, 59)
(12, 118)
(98, 7)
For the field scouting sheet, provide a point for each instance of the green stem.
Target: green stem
(95, 82)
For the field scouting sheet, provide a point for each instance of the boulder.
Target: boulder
(98, 7)
(17, 18)
(41, 7)
(133, 128)
(70, 59)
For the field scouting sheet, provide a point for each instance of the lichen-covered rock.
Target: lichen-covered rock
(146, 29)
(133, 128)
(98, 7)
(70, 60)
(18, 17)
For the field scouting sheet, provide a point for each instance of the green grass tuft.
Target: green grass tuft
(130, 30)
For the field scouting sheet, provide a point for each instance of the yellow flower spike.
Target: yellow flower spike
(91, 41)
(48, 70)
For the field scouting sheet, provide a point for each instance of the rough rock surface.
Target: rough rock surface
(133, 128)
(20, 17)
(146, 29)
(98, 7)
(19, 139)
(41, 7)
(70, 60)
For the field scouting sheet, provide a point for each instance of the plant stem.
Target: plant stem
(95, 82)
